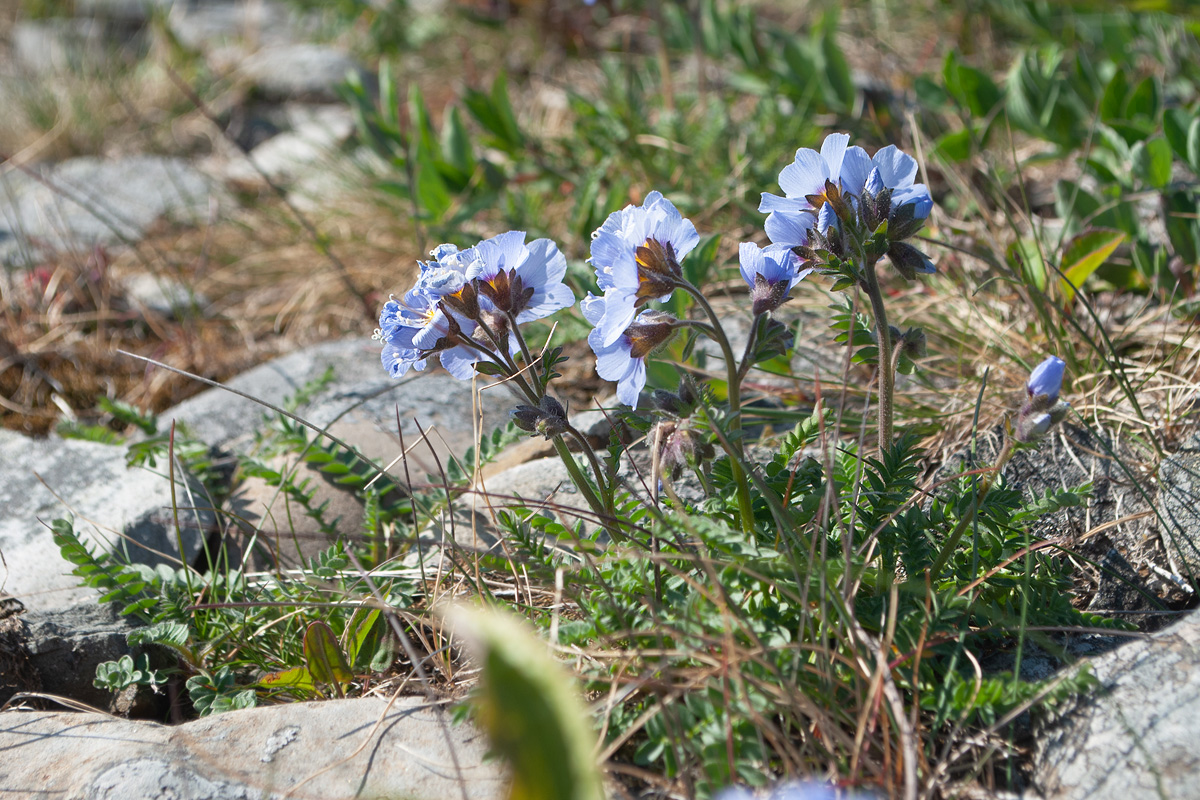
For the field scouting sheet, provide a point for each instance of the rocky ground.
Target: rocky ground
(1135, 738)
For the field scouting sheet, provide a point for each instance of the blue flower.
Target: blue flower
(809, 182)
(519, 279)
(636, 255)
(896, 170)
(771, 273)
(417, 327)
(1046, 379)
(624, 360)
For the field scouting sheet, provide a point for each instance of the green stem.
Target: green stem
(734, 448)
(887, 376)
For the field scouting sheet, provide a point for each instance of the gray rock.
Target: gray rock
(327, 750)
(130, 13)
(162, 294)
(1179, 505)
(66, 645)
(360, 406)
(1137, 738)
(48, 46)
(299, 71)
(88, 201)
(286, 534)
(206, 25)
(115, 507)
(288, 155)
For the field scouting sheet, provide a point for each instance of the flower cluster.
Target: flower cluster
(466, 304)
(841, 192)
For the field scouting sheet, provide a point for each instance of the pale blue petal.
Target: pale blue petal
(630, 387)
(772, 202)
(558, 297)
(875, 183)
(460, 362)
(592, 308)
(545, 265)
(806, 175)
(750, 261)
(897, 168)
(856, 166)
(612, 361)
(619, 308)
(789, 229)
(833, 152)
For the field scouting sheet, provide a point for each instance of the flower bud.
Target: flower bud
(1046, 379)
(667, 402)
(908, 260)
(525, 417)
(913, 344)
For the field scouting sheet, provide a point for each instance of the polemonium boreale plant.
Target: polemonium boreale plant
(467, 308)
(843, 211)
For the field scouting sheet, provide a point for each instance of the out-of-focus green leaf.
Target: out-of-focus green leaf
(954, 146)
(1143, 101)
(1083, 255)
(1152, 162)
(1025, 257)
(1113, 99)
(530, 709)
(1176, 122)
(972, 88)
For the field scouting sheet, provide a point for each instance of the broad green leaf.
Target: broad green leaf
(1024, 256)
(1113, 99)
(1143, 100)
(1193, 145)
(511, 132)
(1152, 162)
(955, 146)
(972, 88)
(456, 144)
(324, 657)
(294, 678)
(1175, 127)
(1083, 255)
(530, 709)
(837, 70)
(432, 195)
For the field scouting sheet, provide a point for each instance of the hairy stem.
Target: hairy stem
(887, 374)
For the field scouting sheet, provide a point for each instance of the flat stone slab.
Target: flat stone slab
(358, 748)
(114, 506)
(299, 71)
(1138, 737)
(87, 201)
(360, 406)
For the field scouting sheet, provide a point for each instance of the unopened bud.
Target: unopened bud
(668, 402)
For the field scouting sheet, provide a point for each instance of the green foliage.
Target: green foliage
(530, 710)
(115, 676)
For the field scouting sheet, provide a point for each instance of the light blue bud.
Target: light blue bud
(1046, 378)
(827, 218)
(875, 182)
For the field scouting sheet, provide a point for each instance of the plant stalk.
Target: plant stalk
(734, 449)
(887, 375)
